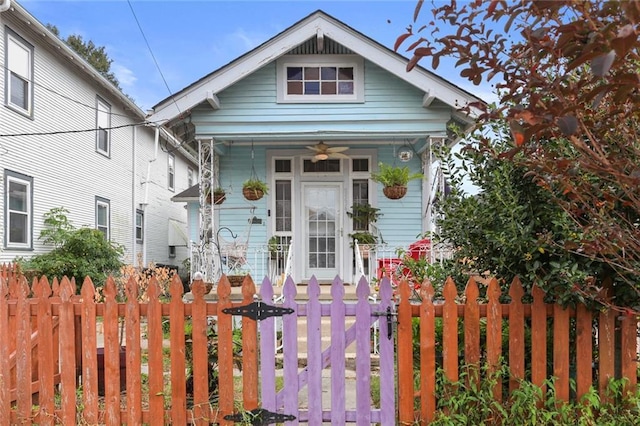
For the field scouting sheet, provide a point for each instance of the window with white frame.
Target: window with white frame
(18, 210)
(103, 127)
(303, 78)
(283, 195)
(189, 177)
(19, 74)
(139, 226)
(103, 216)
(171, 171)
(360, 189)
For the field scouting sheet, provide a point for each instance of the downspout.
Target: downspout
(5, 5)
(145, 203)
(134, 246)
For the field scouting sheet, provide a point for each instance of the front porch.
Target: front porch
(279, 261)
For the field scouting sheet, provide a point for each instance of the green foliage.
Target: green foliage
(468, 402)
(390, 175)
(511, 227)
(94, 55)
(77, 253)
(212, 342)
(256, 185)
(363, 216)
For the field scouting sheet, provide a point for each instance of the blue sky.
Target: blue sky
(190, 39)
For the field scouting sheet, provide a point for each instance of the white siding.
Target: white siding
(66, 169)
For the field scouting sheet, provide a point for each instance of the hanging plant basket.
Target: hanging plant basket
(219, 198)
(394, 192)
(252, 194)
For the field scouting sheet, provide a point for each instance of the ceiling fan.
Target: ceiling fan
(324, 151)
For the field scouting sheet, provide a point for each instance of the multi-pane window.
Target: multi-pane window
(171, 171)
(283, 206)
(360, 197)
(103, 127)
(18, 195)
(320, 80)
(325, 166)
(19, 73)
(103, 216)
(139, 225)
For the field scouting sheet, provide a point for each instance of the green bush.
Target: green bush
(77, 253)
(467, 403)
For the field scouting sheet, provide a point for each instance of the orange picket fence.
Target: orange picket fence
(587, 347)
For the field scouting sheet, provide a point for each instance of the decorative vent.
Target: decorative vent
(310, 47)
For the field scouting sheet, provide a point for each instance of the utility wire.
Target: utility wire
(152, 55)
(63, 132)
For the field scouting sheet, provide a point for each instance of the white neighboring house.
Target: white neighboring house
(69, 138)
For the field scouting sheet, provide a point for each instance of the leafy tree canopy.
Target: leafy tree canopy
(566, 73)
(95, 55)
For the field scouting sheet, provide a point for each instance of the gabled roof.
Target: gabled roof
(316, 24)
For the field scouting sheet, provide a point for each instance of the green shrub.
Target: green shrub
(77, 253)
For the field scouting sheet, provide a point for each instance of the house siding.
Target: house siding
(66, 169)
(391, 105)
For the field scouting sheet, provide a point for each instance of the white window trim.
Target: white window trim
(103, 112)
(12, 37)
(28, 182)
(103, 202)
(140, 213)
(171, 172)
(320, 60)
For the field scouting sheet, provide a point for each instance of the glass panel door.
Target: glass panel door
(322, 230)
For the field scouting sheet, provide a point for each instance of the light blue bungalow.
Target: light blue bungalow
(311, 112)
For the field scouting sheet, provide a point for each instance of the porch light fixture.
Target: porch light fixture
(405, 154)
(321, 156)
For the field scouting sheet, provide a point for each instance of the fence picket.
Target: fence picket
(314, 351)
(134, 353)
(363, 351)
(178, 363)
(538, 339)
(629, 348)
(516, 334)
(606, 346)
(45, 350)
(584, 351)
(67, 354)
(427, 353)
(89, 354)
(110, 323)
(225, 353)
(494, 333)
(450, 331)
(290, 351)
(23, 353)
(338, 347)
(561, 351)
(472, 330)
(249, 349)
(199, 349)
(405, 355)
(268, 351)
(155, 354)
(387, 373)
(5, 338)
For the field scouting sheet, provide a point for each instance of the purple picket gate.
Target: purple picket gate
(351, 323)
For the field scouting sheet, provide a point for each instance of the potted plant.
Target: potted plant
(363, 215)
(275, 246)
(254, 189)
(394, 179)
(219, 196)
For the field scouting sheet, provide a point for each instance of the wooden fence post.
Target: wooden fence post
(427, 353)
(405, 356)
(177, 339)
(516, 335)
(494, 333)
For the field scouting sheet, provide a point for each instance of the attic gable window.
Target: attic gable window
(325, 78)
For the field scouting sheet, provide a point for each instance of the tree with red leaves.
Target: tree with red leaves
(567, 75)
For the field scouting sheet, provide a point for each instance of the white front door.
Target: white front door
(322, 225)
